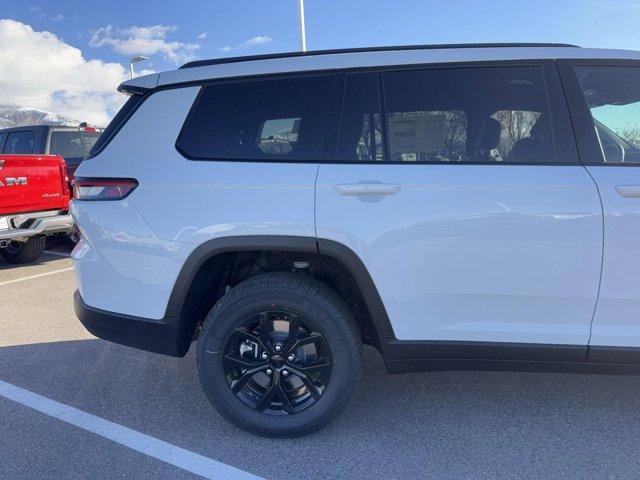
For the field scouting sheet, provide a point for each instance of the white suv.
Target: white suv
(456, 207)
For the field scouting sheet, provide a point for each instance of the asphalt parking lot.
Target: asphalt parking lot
(429, 425)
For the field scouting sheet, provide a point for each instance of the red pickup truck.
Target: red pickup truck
(34, 203)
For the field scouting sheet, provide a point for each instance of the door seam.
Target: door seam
(315, 202)
(595, 307)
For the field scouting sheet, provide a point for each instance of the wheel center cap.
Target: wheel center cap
(278, 360)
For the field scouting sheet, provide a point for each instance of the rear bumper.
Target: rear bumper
(159, 336)
(45, 223)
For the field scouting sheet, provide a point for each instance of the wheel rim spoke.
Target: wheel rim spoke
(247, 335)
(322, 367)
(301, 342)
(264, 331)
(287, 406)
(236, 385)
(265, 401)
(292, 335)
(243, 363)
(312, 387)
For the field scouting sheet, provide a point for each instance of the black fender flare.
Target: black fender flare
(330, 248)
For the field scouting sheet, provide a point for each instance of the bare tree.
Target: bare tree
(630, 132)
(516, 125)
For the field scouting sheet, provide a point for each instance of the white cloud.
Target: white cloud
(58, 17)
(38, 10)
(253, 41)
(40, 70)
(149, 40)
(258, 40)
(203, 35)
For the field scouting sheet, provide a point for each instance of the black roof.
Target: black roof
(220, 61)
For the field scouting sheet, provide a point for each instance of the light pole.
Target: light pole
(303, 35)
(136, 59)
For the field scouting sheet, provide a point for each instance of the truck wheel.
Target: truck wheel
(24, 252)
(279, 355)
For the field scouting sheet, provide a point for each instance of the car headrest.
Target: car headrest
(489, 134)
(538, 129)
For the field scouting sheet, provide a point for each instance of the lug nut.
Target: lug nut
(278, 347)
(264, 356)
(269, 371)
(285, 373)
(291, 357)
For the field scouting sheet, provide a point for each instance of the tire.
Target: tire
(318, 314)
(24, 252)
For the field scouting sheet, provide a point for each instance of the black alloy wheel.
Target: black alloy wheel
(276, 363)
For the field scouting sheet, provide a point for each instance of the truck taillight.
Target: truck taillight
(103, 188)
(64, 176)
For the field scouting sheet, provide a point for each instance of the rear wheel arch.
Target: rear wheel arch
(201, 281)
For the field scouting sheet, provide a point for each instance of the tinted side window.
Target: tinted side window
(3, 136)
(360, 137)
(278, 119)
(476, 115)
(20, 142)
(613, 97)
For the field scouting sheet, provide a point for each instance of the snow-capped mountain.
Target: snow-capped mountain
(12, 116)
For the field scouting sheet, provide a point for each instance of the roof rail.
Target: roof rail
(248, 58)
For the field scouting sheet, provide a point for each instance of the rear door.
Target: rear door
(605, 108)
(461, 191)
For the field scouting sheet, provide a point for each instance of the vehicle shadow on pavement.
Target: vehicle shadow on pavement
(425, 425)
(46, 259)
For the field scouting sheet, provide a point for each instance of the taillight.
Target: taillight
(65, 178)
(103, 188)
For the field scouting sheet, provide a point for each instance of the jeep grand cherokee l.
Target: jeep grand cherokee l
(453, 206)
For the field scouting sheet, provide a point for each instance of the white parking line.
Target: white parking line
(16, 280)
(59, 254)
(151, 446)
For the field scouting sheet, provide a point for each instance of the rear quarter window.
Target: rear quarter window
(283, 119)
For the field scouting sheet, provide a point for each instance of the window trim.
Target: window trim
(339, 108)
(247, 79)
(586, 138)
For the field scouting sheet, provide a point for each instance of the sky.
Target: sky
(68, 56)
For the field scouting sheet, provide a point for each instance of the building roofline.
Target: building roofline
(248, 58)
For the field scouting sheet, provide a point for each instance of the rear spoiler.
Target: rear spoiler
(139, 85)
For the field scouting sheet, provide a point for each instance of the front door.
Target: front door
(462, 194)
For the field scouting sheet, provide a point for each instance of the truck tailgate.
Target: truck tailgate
(30, 183)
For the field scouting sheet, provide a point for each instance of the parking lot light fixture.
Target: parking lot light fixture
(136, 59)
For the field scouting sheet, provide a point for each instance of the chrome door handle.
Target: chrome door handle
(367, 188)
(628, 190)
